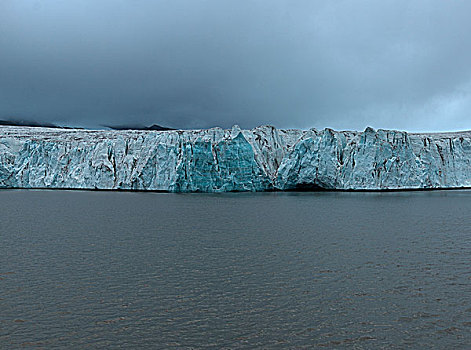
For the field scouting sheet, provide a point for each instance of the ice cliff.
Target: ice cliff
(217, 160)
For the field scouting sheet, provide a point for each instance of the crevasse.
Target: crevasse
(218, 160)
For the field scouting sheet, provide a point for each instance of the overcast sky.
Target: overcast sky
(197, 64)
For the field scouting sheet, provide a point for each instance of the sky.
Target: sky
(388, 64)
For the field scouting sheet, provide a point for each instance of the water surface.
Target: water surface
(237, 270)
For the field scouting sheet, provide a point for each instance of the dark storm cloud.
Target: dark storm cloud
(341, 64)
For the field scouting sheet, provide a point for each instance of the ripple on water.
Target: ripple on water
(147, 270)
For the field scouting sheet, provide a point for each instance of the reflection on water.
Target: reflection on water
(267, 270)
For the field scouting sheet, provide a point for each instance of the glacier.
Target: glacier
(222, 160)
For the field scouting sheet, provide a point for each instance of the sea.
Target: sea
(327, 270)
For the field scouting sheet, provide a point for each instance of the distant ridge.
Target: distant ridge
(138, 127)
(35, 124)
(30, 123)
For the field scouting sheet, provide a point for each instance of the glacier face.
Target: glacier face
(217, 160)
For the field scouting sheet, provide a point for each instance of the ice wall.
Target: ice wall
(218, 160)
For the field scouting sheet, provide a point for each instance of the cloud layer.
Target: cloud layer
(195, 63)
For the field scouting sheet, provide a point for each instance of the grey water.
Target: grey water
(329, 270)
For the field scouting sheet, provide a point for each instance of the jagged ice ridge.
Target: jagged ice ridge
(218, 160)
